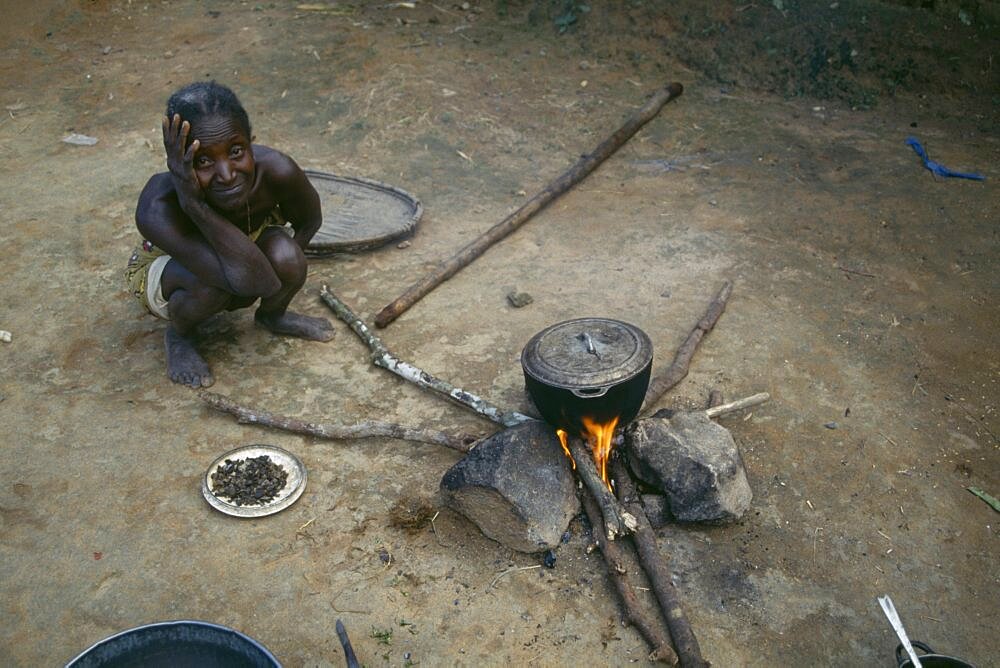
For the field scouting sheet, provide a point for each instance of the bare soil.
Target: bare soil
(865, 302)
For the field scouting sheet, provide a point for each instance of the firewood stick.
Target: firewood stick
(616, 520)
(380, 356)
(652, 632)
(678, 369)
(738, 405)
(584, 166)
(367, 429)
(655, 566)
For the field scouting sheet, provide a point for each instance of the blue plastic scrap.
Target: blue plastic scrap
(938, 168)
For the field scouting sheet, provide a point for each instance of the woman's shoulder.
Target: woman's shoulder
(158, 190)
(279, 174)
(273, 162)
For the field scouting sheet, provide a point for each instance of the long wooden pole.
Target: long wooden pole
(584, 166)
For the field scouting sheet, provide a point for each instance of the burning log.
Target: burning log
(613, 557)
(678, 369)
(381, 356)
(368, 429)
(616, 520)
(655, 565)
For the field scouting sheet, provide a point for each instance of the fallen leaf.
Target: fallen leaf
(79, 140)
(991, 500)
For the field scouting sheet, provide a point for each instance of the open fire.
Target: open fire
(599, 436)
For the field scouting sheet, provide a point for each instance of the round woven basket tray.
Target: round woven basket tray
(360, 214)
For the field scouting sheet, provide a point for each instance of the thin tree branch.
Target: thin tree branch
(380, 356)
(674, 373)
(367, 429)
(738, 405)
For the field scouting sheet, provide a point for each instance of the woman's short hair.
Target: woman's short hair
(207, 98)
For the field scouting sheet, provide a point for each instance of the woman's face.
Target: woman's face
(224, 162)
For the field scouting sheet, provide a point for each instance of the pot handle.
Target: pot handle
(591, 393)
(901, 657)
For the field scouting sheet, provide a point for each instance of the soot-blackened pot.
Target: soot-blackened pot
(593, 367)
(183, 643)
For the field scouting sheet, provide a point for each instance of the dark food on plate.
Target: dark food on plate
(250, 481)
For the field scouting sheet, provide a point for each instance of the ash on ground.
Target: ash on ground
(249, 482)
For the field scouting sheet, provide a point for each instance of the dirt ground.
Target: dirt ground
(865, 301)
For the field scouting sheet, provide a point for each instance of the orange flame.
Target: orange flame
(599, 437)
(562, 441)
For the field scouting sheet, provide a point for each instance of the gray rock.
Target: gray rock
(657, 508)
(517, 486)
(519, 299)
(695, 462)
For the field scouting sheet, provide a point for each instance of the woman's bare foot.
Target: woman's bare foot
(184, 364)
(298, 325)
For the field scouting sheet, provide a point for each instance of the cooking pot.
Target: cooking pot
(179, 644)
(929, 659)
(587, 367)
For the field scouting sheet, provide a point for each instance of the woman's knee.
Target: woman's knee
(287, 259)
(208, 297)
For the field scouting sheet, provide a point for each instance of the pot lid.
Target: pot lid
(587, 353)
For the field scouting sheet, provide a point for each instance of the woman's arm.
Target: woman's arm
(298, 199)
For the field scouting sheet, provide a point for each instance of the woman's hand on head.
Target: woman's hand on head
(180, 161)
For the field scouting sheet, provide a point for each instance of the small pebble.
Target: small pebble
(519, 299)
(550, 559)
(403, 244)
(830, 425)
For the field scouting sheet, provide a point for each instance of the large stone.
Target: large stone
(517, 486)
(694, 462)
